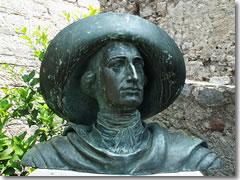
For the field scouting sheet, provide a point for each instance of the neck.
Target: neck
(120, 131)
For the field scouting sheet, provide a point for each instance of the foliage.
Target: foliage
(26, 103)
(37, 40)
(77, 15)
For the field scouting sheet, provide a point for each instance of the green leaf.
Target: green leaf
(31, 75)
(76, 16)
(30, 122)
(18, 150)
(2, 166)
(90, 7)
(9, 171)
(17, 30)
(30, 45)
(34, 82)
(21, 70)
(26, 37)
(93, 12)
(36, 53)
(17, 140)
(68, 16)
(43, 137)
(4, 105)
(31, 170)
(38, 41)
(6, 154)
(85, 15)
(45, 29)
(15, 157)
(5, 141)
(23, 92)
(31, 140)
(41, 55)
(15, 164)
(22, 136)
(25, 78)
(23, 112)
(14, 76)
(24, 30)
(38, 33)
(34, 114)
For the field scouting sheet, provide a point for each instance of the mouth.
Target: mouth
(131, 90)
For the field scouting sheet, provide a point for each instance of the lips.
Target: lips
(131, 90)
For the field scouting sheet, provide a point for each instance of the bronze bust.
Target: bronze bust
(105, 74)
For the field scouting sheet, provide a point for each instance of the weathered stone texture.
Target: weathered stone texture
(18, 126)
(204, 30)
(31, 13)
(206, 111)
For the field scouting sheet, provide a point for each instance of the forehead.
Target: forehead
(115, 49)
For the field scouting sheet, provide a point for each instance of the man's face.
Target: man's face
(122, 76)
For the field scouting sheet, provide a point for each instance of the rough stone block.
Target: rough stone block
(207, 111)
(220, 80)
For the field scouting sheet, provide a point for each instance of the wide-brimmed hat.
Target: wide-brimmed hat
(68, 54)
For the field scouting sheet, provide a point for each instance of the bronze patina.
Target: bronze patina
(105, 75)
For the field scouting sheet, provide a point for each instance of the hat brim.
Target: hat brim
(67, 56)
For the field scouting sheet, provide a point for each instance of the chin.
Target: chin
(131, 102)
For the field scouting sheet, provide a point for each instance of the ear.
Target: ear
(88, 77)
(87, 82)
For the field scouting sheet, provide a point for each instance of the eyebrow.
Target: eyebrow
(140, 58)
(122, 56)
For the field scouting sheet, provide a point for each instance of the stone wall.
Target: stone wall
(205, 32)
(206, 111)
(31, 13)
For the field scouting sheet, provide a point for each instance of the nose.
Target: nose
(132, 72)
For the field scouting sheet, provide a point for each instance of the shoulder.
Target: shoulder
(192, 153)
(184, 152)
(44, 154)
(156, 129)
(202, 158)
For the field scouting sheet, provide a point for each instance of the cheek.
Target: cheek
(110, 83)
(141, 77)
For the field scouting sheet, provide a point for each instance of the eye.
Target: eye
(116, 64)
(138, 63)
